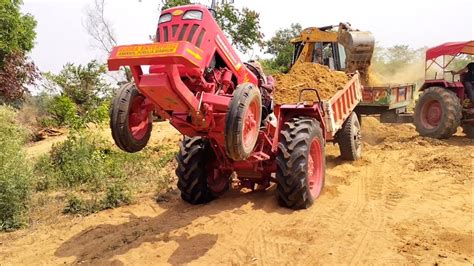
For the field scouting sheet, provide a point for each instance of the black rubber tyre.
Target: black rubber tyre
(468, 129)
(119, 120)
(349, 139)
(192, 178)
(240, 145)
(292, 159)
(450, 117)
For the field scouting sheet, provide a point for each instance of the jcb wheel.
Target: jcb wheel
(243, 122)
(349, 139)
(130, 121)
(300, 163)
(438, 113)
(193, 171)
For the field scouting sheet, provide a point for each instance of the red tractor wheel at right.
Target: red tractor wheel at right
(130, 122)
(243, 122)
(437, 113)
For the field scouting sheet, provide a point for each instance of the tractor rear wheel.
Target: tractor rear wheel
(349, 139)
(198, 180)
(243, 122)
(468, 129)
(130, 121)
(300, 163)
(438, 113)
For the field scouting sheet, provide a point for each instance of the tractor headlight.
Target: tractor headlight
(193, 14)
(164, 18)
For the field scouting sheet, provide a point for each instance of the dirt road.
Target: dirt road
(410, 200)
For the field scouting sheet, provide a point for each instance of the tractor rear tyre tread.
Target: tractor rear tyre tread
(349, 139)
(451, 113)
(192, 177)
(235, 121)
(292, 159)
(119, 115)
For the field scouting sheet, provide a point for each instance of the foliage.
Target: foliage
(17, 35)
(105, 177)
(63, 110)
(83, 84)
(17, 31)
(117, 194)
(84, 95)
(16, 74)
(172, 3)
(241, 26)
(82, 160)
(281, 49)
(15, 175)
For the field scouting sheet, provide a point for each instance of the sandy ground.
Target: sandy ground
(409, 200)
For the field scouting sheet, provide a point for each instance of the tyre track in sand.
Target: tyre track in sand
(395, 206)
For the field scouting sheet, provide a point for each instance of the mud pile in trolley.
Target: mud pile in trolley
(308, 75)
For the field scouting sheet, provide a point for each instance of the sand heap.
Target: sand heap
(308, 75)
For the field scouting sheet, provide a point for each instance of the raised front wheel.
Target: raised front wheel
(130, 119)
(300, 163)
(438, 113)
(243, 122)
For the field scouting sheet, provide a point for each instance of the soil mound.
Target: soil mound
(308, 75)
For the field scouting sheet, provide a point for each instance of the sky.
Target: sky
(61, 37)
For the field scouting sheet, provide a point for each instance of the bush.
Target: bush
(81, 160)
(15, 175)
(64, 111)
(118, 194)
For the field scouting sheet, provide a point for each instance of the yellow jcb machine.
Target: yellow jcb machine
(343, 48)
(340, 47)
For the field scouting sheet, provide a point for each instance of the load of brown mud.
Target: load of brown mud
(308, 75)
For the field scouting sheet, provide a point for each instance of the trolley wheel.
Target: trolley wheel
(349, 139)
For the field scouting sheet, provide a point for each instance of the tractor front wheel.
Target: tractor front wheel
(199, 180)
(300, 163)
(243, 122)
(438, 113)
(349, 139)
(130, 119)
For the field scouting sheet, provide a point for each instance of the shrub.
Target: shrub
(77, 205)
(118, 194)
(81, 160)
(63, 110)
(15, 175)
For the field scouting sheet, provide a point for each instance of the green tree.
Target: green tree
(172, 3)
(17, 31)
(83, 84)
(281, 49)
(17, 35)
(83, 93)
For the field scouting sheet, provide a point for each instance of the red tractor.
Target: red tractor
(223, 107)
(442, 108)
